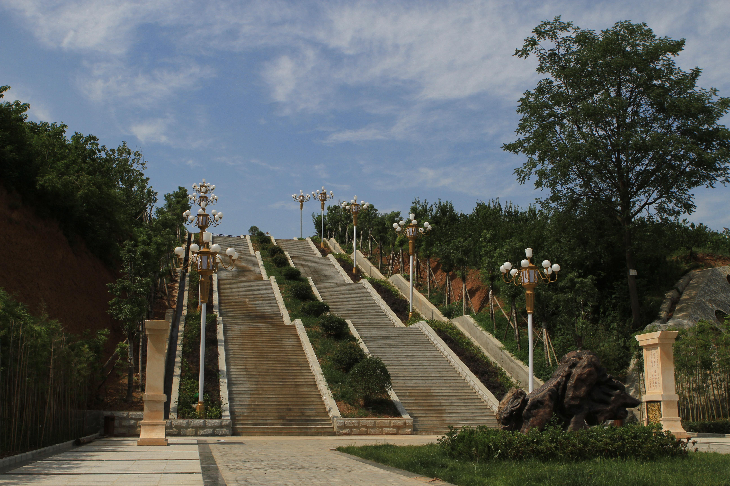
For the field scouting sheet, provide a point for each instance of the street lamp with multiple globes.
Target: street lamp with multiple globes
(355, 209)
(529, 275)
(412, 231)
(322, 196)
(206, 258)
(301, 199)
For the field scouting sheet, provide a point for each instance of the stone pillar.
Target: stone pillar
(153, 421)
(660, 399)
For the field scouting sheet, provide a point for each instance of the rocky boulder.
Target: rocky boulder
(580, 393)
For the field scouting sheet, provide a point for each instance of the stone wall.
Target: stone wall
(380, 426)
(127, 424)
(198, 427)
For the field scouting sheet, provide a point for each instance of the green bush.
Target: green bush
(301, 291)
(315, 308)
(275, 250)
(629, 442)
(708, 426)
(333, 326)
(370, 379)
(347, 355)
(279, 260)
(291, 273)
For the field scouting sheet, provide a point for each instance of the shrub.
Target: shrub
(291, 273)
(275, 250)
(315, 308)
(370, 378)
(631, 441)
(279, 260)
(333, 325)
(708, 426)
(301, 290)
(347, 355)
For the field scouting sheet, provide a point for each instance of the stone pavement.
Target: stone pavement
(309, 461)
(712, 443)
(114, 462)
(234, 461)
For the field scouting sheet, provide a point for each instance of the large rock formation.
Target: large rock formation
(580, 393)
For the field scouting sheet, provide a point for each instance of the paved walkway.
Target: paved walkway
(114, 462)
(309, 461)
(234, 461)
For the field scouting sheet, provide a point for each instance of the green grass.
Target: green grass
(707, 469)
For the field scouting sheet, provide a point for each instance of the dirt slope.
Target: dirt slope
(41, 270)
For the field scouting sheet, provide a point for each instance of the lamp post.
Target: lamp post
(355, 209)
(412, 231)
(301, 199)
(529, 275)
(206, 259)
(322, 196)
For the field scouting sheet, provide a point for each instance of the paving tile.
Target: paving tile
(310, 461)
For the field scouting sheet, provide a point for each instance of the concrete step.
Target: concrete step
(271, 388)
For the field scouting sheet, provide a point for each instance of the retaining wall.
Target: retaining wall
(127, 424)
(491, 346)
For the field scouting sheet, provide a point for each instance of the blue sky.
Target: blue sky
(384, 100)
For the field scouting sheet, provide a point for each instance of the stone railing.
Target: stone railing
(494, 350)
(476, 385)
(367, 268)
(420, 303)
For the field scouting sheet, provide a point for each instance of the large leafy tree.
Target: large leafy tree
(618, 126)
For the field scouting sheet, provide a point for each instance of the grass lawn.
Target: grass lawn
(700, 468)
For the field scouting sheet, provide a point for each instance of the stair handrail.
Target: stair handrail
(482, 391)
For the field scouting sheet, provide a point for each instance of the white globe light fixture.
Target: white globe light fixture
(206, 258)
(301, 199)
(529, 276)
(412, 231)
(355, 209)
(322, 196)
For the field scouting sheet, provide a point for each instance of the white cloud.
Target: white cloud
(86, 25)
(154, 130)
(108, 82)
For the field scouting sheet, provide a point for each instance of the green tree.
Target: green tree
(618, 126)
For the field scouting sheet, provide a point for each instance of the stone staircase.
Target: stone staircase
(431, 390)
(271, 389)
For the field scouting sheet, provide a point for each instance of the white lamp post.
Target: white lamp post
(206, 259)
(412, 231)
(322, 196)
(355, 208)
(529, 276)
(301, 199)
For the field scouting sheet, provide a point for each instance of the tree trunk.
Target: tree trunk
(130, 369)
(139, 354)
(428, 277)
(633, 291)
(514, 319)
(491, 310)
(446, 290)
(463, 294)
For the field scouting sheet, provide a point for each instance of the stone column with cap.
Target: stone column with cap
(153, 421)
(660, 399)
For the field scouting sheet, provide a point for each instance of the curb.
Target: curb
(18, 460)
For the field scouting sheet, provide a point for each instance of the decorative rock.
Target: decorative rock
(580, 393)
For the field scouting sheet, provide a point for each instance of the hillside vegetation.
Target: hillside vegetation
(91, 252)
